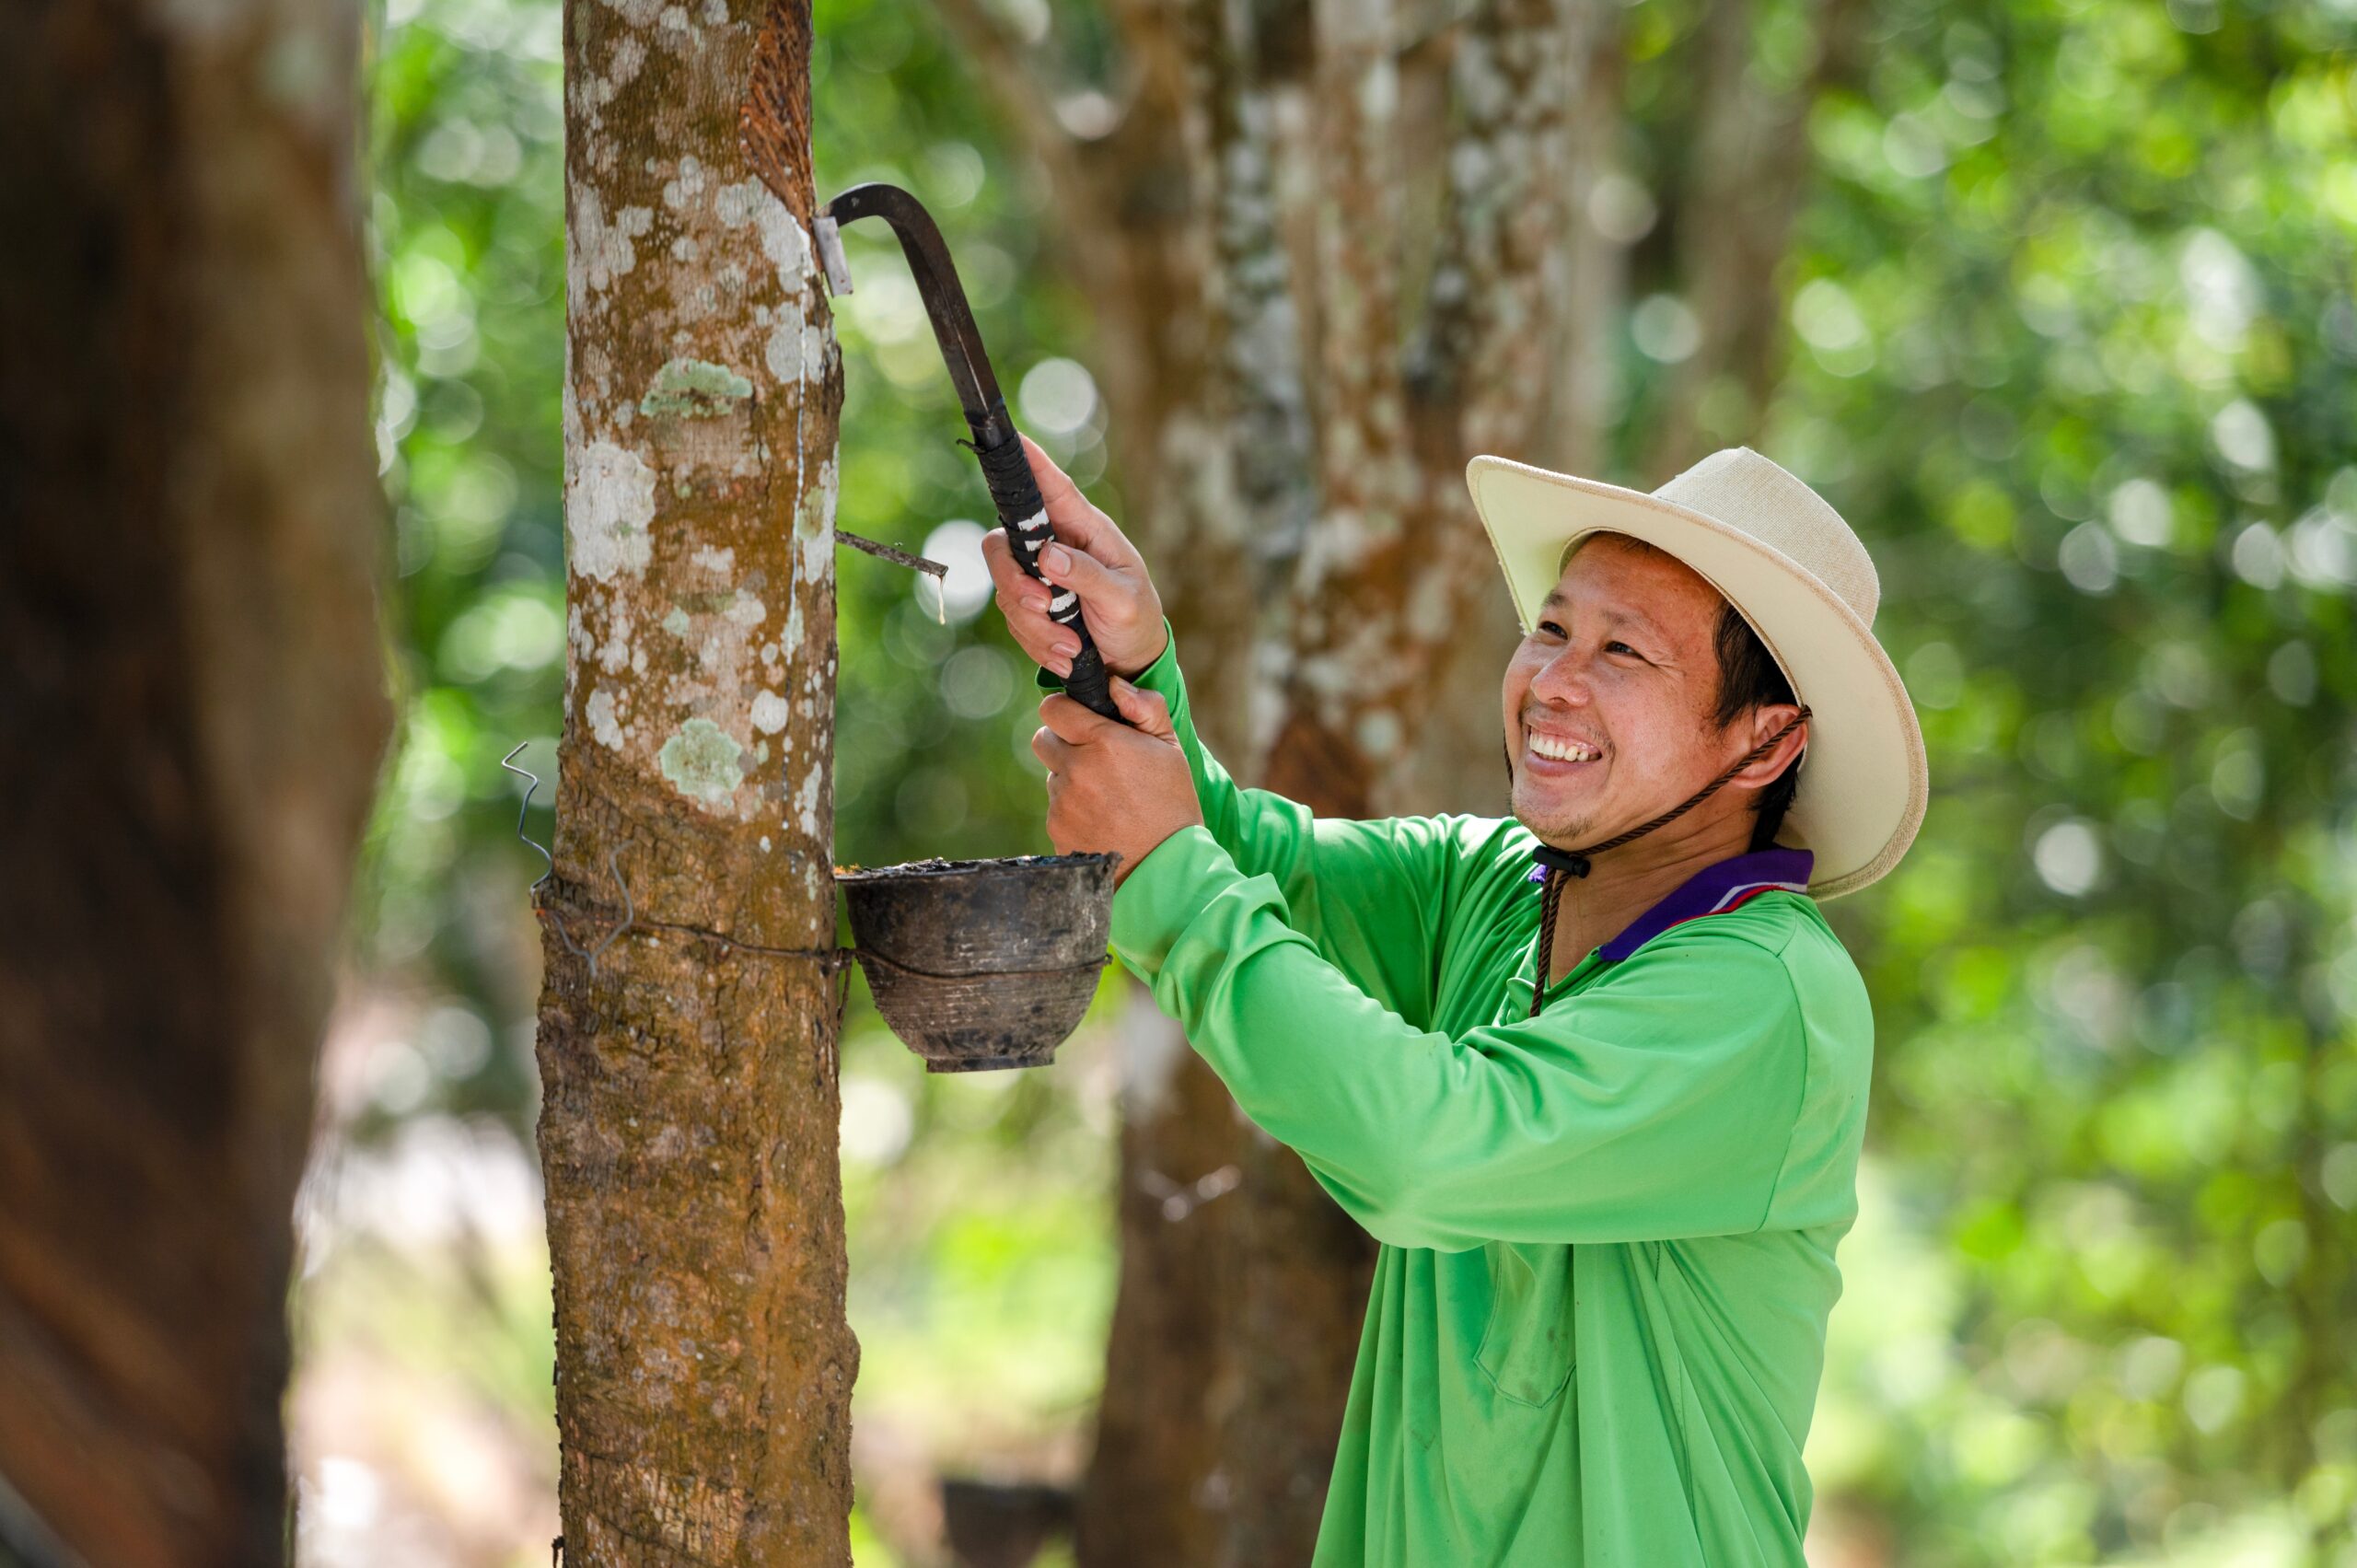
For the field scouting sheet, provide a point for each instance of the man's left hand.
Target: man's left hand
(1111, 787)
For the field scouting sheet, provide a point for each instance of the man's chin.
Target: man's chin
(1563, 832)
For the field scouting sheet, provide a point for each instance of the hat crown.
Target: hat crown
(1751, 494)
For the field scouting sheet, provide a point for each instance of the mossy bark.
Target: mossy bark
(688, 1125)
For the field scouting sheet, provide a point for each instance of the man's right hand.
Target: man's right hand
(1092, 558)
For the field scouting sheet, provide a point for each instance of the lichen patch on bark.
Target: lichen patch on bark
(609, 511)
(796, 349)
(806, 805)
(783, 239)
(703, 763)
(598, 252)
(603, 723)
(814, 525)
(694, 388)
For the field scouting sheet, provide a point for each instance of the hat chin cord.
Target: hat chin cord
(1560, 865)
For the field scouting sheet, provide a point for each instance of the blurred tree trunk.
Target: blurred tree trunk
(1335, 248)
(688, 1021)
(1742, 180)
(192, 712)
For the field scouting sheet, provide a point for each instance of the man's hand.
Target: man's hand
(1118, 603)
(1111, 787)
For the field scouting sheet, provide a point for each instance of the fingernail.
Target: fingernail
(1066, 647)
(1056, 557)
(1035, 601)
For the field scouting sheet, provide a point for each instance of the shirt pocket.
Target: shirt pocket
(1526, 1351)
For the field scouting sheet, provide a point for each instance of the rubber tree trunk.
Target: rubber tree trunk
(688, 1021)
(192, 713)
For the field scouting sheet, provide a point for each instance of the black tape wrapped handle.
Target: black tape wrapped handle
(1023, 513)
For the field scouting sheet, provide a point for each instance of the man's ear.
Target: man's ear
(1766, 720)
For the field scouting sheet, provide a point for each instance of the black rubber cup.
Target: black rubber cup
(976, 964)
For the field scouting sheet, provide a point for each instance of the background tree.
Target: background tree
(192, 712)
(688, 1023)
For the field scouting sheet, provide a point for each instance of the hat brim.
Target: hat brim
(1867, 782)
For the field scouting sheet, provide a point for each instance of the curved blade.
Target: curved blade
(944, 296)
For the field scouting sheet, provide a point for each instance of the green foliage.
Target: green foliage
(467, 236)
(2076, 348)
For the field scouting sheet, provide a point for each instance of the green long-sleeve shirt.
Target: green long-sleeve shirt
(1597, 1321)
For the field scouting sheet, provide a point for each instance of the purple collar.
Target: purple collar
(1711, 890)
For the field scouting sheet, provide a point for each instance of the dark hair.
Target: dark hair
(1749, 678)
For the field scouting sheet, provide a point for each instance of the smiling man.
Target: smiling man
(1594, 1076)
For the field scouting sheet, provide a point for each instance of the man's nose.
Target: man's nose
(1562, 679)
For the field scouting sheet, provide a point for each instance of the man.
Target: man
(1607, 1126)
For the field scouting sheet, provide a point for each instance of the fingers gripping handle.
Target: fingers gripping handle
(1024, 515)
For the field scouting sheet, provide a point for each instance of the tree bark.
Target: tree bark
(194, 709)
(1156, 1493)
(688, 1017)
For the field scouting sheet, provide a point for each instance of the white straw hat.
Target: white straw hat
(1780, 554)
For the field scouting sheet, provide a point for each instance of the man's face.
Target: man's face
(1610, 700)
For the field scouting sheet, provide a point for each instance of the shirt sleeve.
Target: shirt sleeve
(1372, 897)
(1655, 1106)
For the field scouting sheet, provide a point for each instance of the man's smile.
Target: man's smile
(1551, 755)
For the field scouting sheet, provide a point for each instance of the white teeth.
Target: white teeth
(1561, 751)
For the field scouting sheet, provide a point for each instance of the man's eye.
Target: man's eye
(1549, 626)
(1624, 648)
